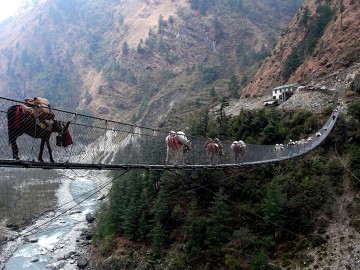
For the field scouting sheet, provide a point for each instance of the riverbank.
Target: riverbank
(62, 237)
(9, 243)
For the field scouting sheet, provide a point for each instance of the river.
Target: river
(56, 244)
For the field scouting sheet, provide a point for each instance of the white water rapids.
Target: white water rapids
(59, 238)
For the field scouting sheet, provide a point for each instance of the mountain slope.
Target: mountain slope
(321, 45)
(135, 60)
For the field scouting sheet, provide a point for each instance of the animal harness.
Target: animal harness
(172, 141)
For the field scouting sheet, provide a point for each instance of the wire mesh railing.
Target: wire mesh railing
(106, 142)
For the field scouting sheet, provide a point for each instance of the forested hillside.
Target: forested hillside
(136, 60)
(176, 65)
(260, 218)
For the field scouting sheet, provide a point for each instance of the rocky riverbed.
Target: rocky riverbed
(59, 239)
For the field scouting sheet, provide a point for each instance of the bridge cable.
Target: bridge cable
(168, 197)
(345, 165)
(72, 207)
(243, 208)
(102, 186)
(105, 136)
(78, 222)
(199, 186)
(60, 206)
(72, 145)
(54, 218)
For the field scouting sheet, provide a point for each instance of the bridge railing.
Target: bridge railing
(101, 141)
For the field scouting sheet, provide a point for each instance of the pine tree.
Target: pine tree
(117, 202)
(193, 228)
(140, 49)
(158, 238)
(218, 30)
(222, 118)
(203, 7)
(161, 24)
(242, 238)
(162, 45)
(129, 219)
(210, 74)
(259, 261)
(234, 86)
(274, 204)
(158, 233)
(212, 92)
(129, 204)
(203, 127)
(143, 227)
(125, 48)
(304, 21)
(217, 223)
(342, 9)
(292, 63)
(244, 80)
(194, 4)
(148, 189)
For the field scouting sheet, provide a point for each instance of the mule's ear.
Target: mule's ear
(67, 125)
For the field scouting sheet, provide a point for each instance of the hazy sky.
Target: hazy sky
(8, 8)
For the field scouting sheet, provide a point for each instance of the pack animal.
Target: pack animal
(21, 120)
(279, 149)
(239, 149)
(291, 148)
(213, 151)
(178, 144)
(41, 110)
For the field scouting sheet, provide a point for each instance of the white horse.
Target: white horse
(177, 142)
(309, 141)
(170, 143)
(291, 147)
(238, 147)
(279, 148)
(303, 143)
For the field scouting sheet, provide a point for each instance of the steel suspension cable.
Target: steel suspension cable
(72, 146)
(72, 207)
(344, 165)
(243, 208)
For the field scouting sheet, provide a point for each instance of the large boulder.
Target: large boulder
(34, 259)
(82, 263)
(356, 83)
(103, 110)
(353, 80)
(32, 239)
(56, 265)
(89, 217)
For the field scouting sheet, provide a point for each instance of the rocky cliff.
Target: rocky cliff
(320, 46)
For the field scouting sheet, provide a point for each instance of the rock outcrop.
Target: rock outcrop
(336, 51)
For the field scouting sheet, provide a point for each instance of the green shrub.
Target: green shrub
(233, 262)
(210, 74)
(259, 261)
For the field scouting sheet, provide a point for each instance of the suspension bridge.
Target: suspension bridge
(102, 144)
